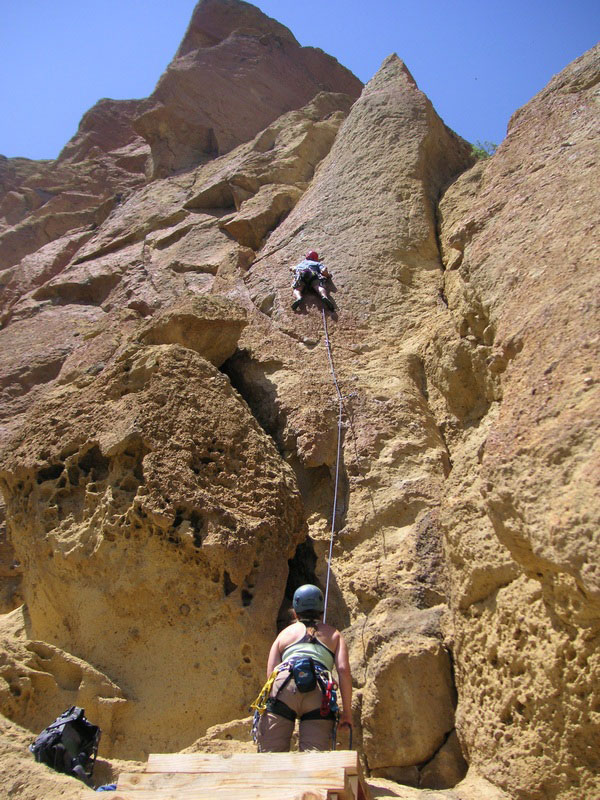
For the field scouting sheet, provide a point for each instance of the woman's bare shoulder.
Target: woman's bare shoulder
(290, 634)
(329, 635)
(328, 629)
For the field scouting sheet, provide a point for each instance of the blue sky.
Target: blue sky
(477, 62)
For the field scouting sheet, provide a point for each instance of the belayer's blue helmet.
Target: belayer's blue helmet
(308, 598)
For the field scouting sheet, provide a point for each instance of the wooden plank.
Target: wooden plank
(233, 793)
(363, 791)
(250, 762)
(333, 778)
(331, 775)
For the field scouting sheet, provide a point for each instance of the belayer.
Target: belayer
(300, 682)
(310, 274)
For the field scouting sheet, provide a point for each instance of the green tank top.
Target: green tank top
(316, 650)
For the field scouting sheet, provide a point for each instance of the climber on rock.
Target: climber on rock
(310, 274)
(300, 683)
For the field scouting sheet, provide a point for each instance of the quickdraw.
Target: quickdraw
(260, 704)
(329, 702)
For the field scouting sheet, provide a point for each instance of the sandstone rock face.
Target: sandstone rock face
(247, 65)
(169, 426)
(391, 157)
(10, 570)
(233, 58)
(124, 309)
(177, 497)
(520, 509)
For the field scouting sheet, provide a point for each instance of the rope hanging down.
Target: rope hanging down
(337, 463)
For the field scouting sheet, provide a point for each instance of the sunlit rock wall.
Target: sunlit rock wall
(169, 425)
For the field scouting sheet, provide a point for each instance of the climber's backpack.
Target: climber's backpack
(305, 677)
(69, 745)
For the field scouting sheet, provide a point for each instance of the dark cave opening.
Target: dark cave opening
(302, 568)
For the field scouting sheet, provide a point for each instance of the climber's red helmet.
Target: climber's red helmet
(312, 255)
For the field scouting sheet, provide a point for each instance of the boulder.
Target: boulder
(211, 326)
(139, 461)
(261, 213)
(409, 693)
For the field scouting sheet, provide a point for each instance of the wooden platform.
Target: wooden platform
(247, 776)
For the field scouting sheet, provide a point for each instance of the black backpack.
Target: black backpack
(69, 745)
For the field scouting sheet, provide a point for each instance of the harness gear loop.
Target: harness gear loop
(338, 459)
(260, 704)
(329, 702)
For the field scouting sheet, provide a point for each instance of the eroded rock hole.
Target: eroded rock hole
(228, 585)
(50, 473)
(193, 522)
(93, 463)
(247, 597)
(302, 569)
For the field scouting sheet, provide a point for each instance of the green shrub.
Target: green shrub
(483, 149)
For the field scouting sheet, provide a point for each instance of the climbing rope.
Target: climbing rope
(337, 463)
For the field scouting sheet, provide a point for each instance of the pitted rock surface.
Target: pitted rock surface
(151, 523)
(169, 424)
(521, 506)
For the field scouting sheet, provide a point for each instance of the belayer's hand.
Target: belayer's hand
(346, 722)
(345, 719)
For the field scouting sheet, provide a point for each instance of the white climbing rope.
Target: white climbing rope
(337, 463)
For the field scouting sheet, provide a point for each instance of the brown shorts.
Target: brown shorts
(275, 731)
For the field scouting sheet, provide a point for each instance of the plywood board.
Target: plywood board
(333, 778)
(234, 793)
(249, 762)
(331, 775)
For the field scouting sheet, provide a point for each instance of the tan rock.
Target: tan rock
(473, 787)
(10, 570)
(387, 541)
(208, 502)
(211, 326)
(108, 155)
(521, 502)
(35, 269)
(231, 58)
(408, 693)
(260, 214)
(38, 681)
(30, 362)
(161, 504)
(33, 233)
(107, 127)
(446, 768)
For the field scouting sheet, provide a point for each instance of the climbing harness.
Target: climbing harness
(305, 274)
(328, 709)
(260, 704)
(338, 459)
